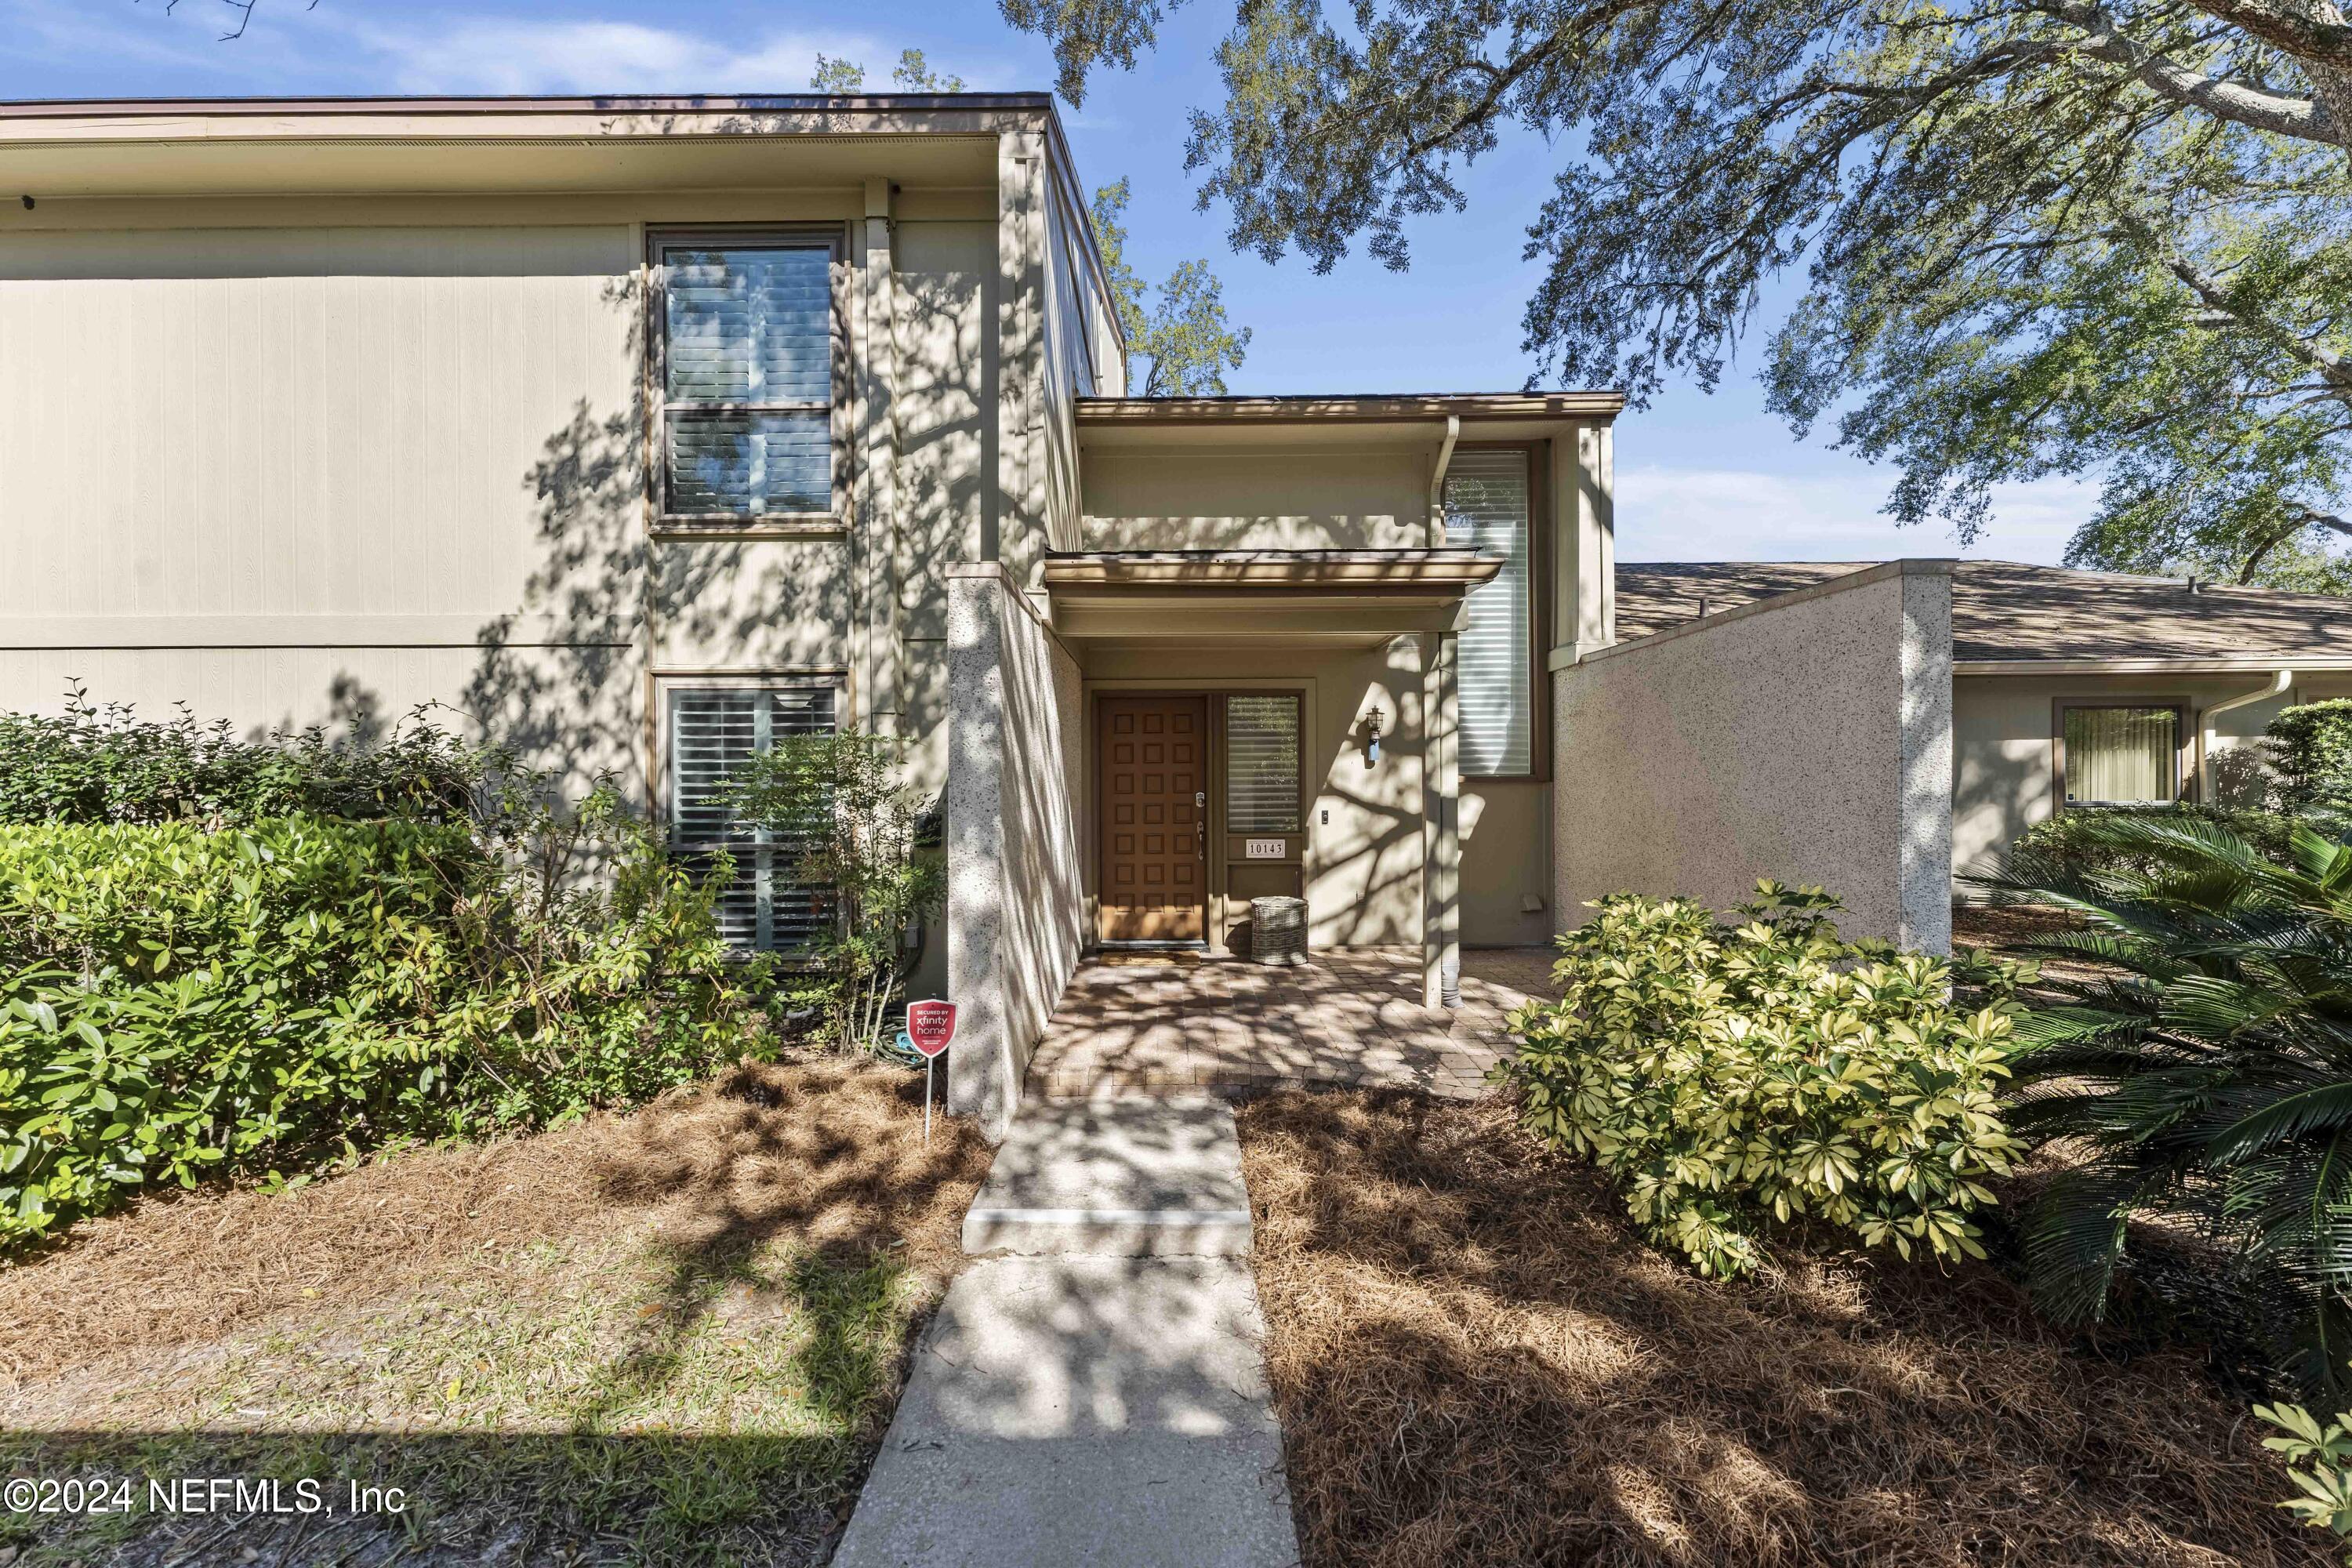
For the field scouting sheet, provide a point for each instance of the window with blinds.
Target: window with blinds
(747, 378)
(2120, 755)
(1486, 506)
(1262, 764)
(766, 905)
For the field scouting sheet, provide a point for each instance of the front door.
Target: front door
(1152, 758)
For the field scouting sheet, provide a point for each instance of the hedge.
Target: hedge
(93, 764)
(176, 1003)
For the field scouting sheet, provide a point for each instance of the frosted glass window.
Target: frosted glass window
(2119, 755)
(1261, 764)
(747, 380)
(1486, 506)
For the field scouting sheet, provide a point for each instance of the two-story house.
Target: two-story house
(644, 430)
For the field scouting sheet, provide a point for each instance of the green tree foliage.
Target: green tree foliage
(843, 799)
(1182, 346)
(2056, 237)
(1731, 1075)
(2207, 1072)
(913, 74)
(2311, 748)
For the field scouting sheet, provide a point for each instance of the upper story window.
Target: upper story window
(745, 375)
(2119, 755)
(1487, 496)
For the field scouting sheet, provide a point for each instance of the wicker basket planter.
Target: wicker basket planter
(1278, 931)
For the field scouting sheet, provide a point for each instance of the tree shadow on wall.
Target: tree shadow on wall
(563, 680)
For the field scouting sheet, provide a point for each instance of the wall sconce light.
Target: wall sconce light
(1372, 737)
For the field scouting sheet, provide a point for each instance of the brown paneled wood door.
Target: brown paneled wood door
(1152, 757)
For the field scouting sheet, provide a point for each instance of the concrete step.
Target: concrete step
(1122, 1178)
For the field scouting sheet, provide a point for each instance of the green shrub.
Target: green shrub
(2310, 747)
(2202, 1076)
(1728, 1074)
(106, 765)
(845, 799)
(2073, 839)
(176, 1003)
(2324, 1479)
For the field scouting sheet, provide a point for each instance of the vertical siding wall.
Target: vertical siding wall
(1016, 899)
(1807, 739)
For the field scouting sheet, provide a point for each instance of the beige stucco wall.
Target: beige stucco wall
(1505, 862)
(1015, 920)
(2005, 763)
(278, 424)
(290, 472)
(1808, 738)
(1243, 497)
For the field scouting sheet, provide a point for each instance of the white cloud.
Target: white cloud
(502, 55)
(1734, 514)
(348, 46)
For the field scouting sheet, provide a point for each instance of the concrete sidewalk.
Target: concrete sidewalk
(1100, 1399)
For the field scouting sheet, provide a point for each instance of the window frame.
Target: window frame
(831, 238)
(1539, 605)
(667, 690)
(2182, 740)
(1221, 763)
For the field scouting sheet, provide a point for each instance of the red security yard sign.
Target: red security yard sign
(929, 1026)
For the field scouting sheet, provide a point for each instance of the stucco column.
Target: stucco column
(1924, 719)
(1441, 790)
(980, 1068)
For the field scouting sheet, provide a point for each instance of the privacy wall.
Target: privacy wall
(1806, 738)
(1015, 903)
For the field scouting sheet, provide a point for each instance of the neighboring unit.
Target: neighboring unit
(2065, 688)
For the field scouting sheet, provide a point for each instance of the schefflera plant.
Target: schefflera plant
(1729, 1074)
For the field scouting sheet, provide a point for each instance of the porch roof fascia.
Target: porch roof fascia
(1349, 595)
(1593, 406)
(1423, 573)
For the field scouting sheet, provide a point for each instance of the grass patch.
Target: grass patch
(668, 1338)
(1476, 1361)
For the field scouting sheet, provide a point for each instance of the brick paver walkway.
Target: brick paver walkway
(1147, 1023)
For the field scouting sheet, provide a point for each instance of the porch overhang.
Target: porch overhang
(1360, 596)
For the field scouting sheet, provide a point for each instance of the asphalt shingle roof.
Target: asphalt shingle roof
(2005, 610)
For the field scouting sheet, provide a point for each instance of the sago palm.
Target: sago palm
(2207, 1068)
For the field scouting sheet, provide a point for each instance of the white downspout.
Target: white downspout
(2279, 683)
(1437, 481)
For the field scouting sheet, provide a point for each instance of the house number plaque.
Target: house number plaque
(1263, 849)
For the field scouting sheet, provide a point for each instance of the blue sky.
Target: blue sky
(1699, 476)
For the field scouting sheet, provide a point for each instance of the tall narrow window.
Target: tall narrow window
(1486, 504)
(1262, 764)
(747, 380)
(2116, 756)
(766, 906)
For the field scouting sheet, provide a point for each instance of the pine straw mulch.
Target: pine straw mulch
(671, 1335)
(1477, 1361)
